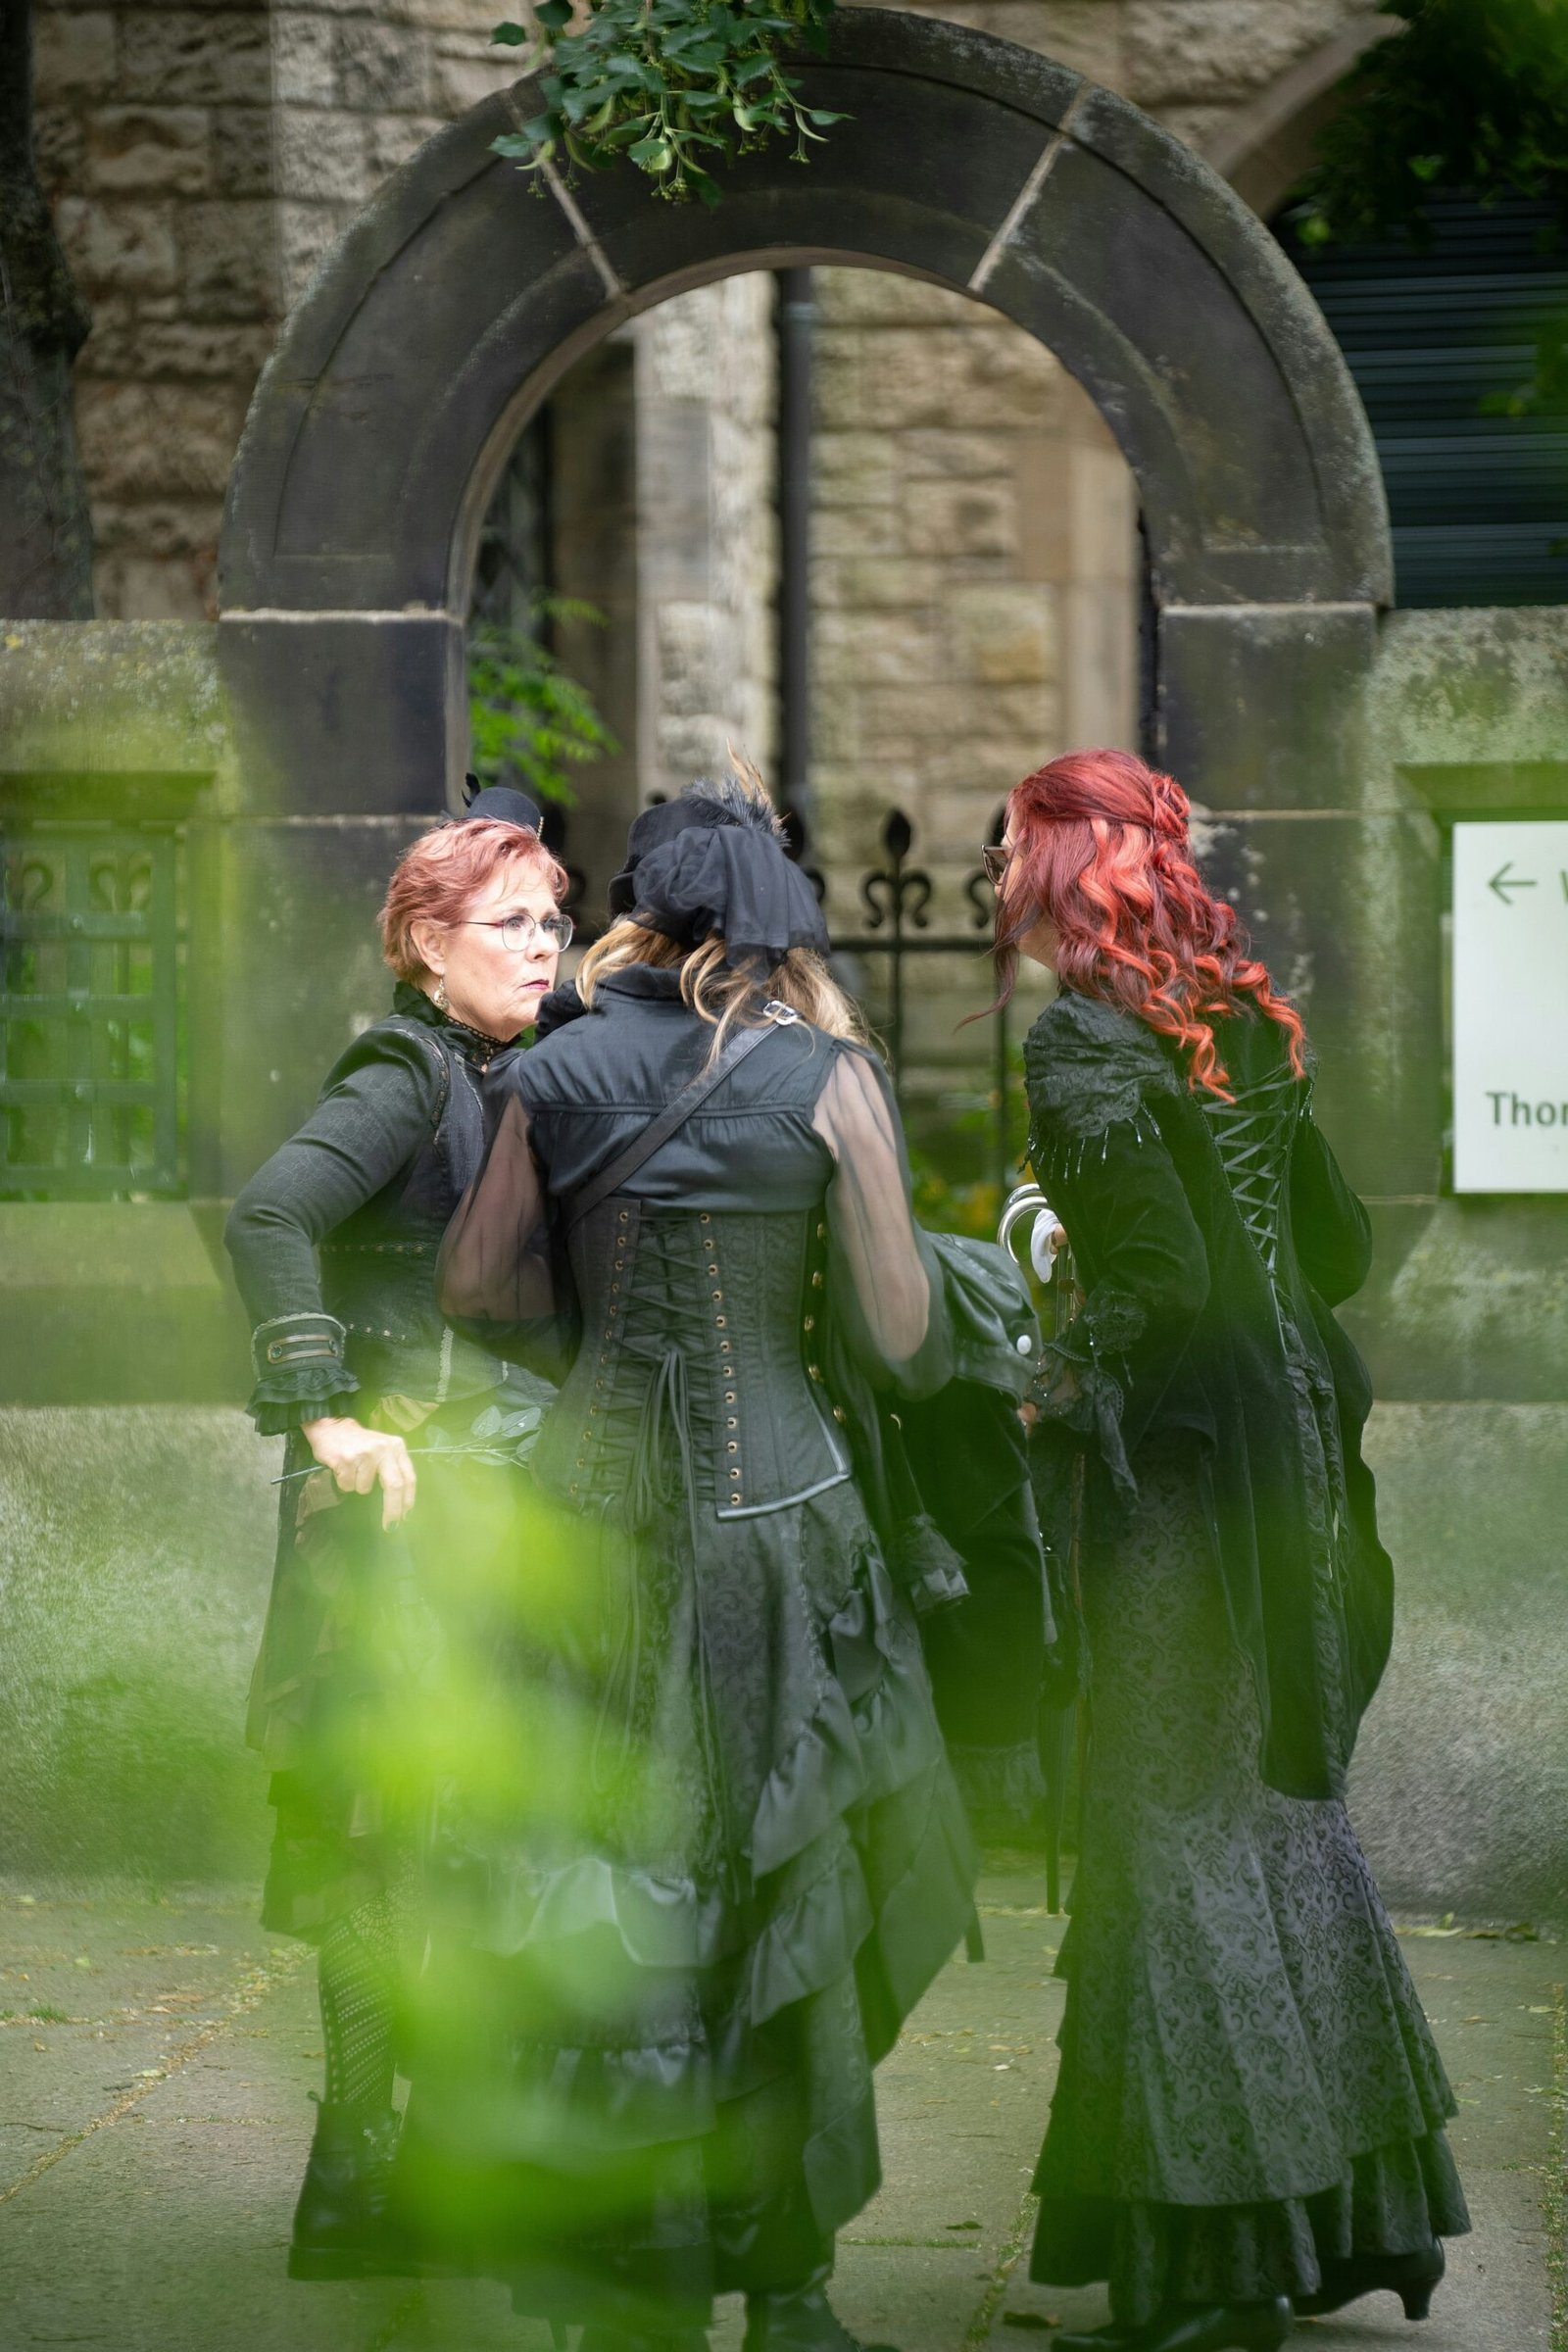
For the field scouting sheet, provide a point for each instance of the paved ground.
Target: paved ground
(155, 2053)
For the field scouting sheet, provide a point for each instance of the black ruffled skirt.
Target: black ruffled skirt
(703, 1857)
(1249, 2088)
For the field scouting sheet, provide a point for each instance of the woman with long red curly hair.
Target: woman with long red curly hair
(1249, 2112)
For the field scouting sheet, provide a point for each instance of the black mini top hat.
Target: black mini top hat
(713, 863)
(501, 803)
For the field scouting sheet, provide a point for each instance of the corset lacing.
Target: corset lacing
(1252, 1137)
(652, 1483)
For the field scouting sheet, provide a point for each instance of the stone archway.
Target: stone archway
(465, 291)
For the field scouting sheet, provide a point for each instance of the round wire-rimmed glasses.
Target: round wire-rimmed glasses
(521, 931)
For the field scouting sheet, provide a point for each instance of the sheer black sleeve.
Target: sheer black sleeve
(501, 1277)
(1331, 1230)
(368, 1124)
(887, 1281)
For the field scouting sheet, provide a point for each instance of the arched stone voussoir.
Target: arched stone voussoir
(1152, 282)
(464, 292)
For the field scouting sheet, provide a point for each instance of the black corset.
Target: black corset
(697, 1368)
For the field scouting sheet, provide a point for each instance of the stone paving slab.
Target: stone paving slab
(155, 2053)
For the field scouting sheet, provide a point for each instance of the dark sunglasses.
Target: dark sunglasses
(995, 860)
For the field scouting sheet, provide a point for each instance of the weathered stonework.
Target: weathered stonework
(706, 532)
(205, 159)
(973, 545)
(976, 573)
(953, 622)
(202, 159)
(1162, 54)
(974, 584)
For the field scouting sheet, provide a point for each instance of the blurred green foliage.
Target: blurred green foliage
(679, 86)
(953, 1158)
(529, 722)
(1471, 95)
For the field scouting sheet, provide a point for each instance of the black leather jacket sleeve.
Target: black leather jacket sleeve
(379, 1106)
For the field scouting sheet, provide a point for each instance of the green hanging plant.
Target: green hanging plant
(679, 86)
(1469, 94)
(529, 723)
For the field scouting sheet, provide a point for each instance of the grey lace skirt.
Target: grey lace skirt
(1249, 2088)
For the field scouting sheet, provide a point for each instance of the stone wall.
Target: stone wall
(1190, 62)
(200, 159)
(135, 1552)
(1460, 1785)
(974, 571)
(706, 532)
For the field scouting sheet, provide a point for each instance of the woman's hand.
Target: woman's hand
(357, 1456)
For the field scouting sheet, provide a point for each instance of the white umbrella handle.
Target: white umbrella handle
(1028, 1201)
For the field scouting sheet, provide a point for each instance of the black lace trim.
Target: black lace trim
(1088, 1066)
(474, 1044)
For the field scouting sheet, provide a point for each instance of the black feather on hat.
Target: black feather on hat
(713, 863)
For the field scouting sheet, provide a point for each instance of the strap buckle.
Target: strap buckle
(775, 1010)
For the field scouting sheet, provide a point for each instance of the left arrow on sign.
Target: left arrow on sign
(1502, 881)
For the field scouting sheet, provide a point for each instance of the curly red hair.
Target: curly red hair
(439, 876)
(1101, 852)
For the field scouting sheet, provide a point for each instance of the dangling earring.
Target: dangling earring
(439, 998)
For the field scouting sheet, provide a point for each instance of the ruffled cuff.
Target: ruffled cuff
(300, 1371)
(275, 1417)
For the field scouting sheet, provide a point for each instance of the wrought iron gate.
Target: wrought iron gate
(89, 1012)
(893, 903)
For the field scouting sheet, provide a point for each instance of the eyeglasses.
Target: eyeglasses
(521, 932)
(996, 857)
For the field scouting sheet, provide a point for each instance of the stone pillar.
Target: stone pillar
(974, 589)
(341, 756)
(1262, 711)
(707, 533)
(592, 442)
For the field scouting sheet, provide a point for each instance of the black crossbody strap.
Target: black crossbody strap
(675, 1113)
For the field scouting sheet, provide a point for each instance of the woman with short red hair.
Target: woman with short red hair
(334, 1247)
(1249, 2113)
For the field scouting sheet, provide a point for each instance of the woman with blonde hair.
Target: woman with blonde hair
(669, 1984)
(334, 1245)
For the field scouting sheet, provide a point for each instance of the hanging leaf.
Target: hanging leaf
(660, 80)
(530, 722)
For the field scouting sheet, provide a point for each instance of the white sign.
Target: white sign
(1510, 1007)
